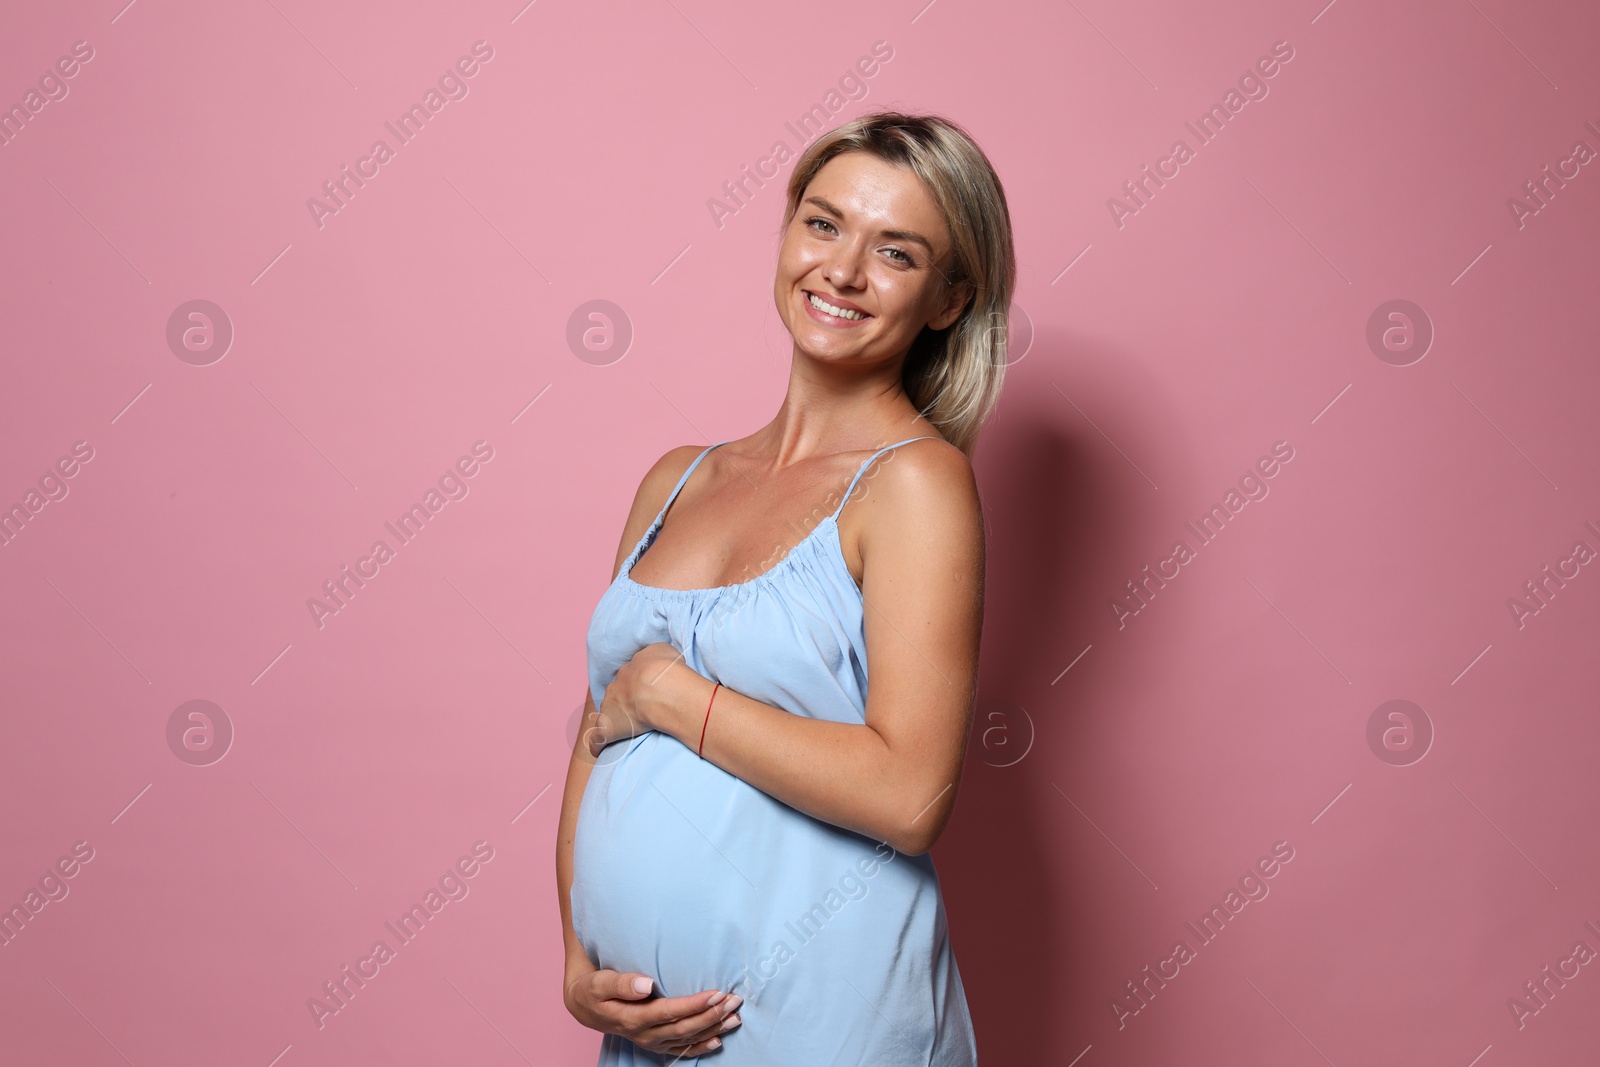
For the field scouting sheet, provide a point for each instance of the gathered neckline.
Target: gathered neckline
(658, 592)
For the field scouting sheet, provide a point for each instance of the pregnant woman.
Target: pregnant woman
(742, 859)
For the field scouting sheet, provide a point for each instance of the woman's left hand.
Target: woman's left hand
(642, 697)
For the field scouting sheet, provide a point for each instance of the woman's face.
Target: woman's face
(868, 239)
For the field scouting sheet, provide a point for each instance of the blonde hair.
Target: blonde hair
(953, 375)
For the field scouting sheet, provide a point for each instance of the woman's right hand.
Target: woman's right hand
(616, 1002)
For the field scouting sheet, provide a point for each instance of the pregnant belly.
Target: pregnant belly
(686, 873)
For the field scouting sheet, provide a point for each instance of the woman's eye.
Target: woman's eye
(904, 260)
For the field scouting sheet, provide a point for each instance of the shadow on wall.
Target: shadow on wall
(1060, 505)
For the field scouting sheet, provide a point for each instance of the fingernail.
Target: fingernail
(716, 998)
(730, 1024)
(733, 1003)
(716, 1042)
(642, 985)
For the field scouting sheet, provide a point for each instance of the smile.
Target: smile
(826, 312)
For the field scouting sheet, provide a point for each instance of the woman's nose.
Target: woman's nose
(844, 271)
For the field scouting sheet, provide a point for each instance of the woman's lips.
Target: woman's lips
(826, 319)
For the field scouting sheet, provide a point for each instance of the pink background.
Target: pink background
(1123, 776)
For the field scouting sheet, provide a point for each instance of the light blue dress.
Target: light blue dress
(689, 874)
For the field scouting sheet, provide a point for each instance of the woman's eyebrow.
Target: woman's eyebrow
(899, 235)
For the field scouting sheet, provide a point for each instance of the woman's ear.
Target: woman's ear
(955, 302)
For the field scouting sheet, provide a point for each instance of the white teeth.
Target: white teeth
(821, 305)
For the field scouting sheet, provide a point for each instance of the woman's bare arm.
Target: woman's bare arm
(578, 769)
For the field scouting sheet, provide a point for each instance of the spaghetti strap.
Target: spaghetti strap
(863, 469)
(677, 488)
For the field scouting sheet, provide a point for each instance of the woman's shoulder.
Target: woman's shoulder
(665, 472)
(651, 496)
(932, 470)
(927, 495)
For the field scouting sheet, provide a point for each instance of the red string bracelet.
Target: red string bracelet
(701, 751)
